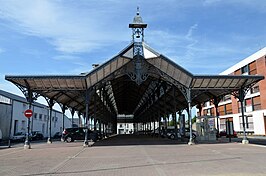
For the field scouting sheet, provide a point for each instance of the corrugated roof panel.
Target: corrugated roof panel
(170, 70)
(205, 82)
(93, 78)
(54, 83)
(234, 83)
(46, 83)
(113, 65)
(227, 83)
(213, 83)
(107, 70)
(220, 83)
(100, 74)
(197, 83)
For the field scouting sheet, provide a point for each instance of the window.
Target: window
(228, 108)
(248, 122)
(252, 68)
(255, 88)
(23, 125)
(221, 110)
(239, 106)
(40, 116)
(120, 126)
(256, 103)
(35, 115)
(244, 70)
(248, 105)
(222, 124)
(226, 97)
(45, 117)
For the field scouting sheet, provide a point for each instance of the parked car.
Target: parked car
(57, 135)
(187, 133)
(174, 133)
(224, 133)
(19, 136)
(36, 135)
(71, 134)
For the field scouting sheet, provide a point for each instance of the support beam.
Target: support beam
(87, 100)
(191, 140)
(29, 98)
(72, 117)
(63, 107)
(241, 99)
(216, 101)
(51, 103)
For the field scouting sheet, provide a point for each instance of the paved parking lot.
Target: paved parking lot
(134, 155)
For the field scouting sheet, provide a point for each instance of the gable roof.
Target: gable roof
(122, 95)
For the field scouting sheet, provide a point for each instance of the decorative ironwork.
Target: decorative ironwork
(28, 93)
(242, 92)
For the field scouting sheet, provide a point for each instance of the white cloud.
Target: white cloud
(69, 28)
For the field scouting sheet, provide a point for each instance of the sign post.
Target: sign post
(28, 113)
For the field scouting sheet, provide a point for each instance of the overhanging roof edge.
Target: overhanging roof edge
(10, 77)
(178, 66)
(110, 60)
(228, 76)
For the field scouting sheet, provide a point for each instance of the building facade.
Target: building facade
(125, 128)
(12, 119)
(255, 99)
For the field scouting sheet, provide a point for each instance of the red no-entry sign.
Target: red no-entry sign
(28, 113)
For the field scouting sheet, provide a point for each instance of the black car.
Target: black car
(174, 133)
(57, 135)
(71, 134)
(36, 135)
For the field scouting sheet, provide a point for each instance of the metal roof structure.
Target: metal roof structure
(123, 95)
(137, 81)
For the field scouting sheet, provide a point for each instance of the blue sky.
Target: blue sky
(66, 37)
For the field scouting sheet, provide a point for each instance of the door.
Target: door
(15, 127)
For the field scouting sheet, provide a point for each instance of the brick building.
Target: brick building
(255, 99)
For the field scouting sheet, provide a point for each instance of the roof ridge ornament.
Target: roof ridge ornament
(137, 27)
(139, 74)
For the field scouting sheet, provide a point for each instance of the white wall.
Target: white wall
(258, 120)
(37, 123)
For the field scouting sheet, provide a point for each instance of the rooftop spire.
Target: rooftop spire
(137, 27)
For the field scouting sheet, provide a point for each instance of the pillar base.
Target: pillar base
(90, 143)
(191, 142)
(49, 141)
(85, 144)
(27, 146)
(245, 141)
